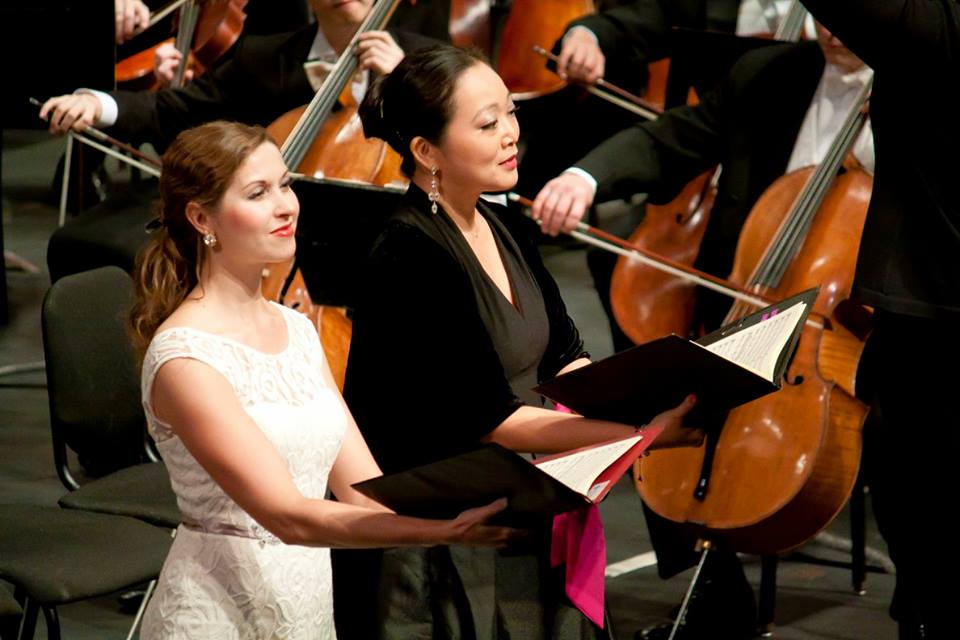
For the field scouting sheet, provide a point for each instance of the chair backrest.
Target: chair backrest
(93, 381)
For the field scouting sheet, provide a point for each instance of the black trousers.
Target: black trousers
(908, 374)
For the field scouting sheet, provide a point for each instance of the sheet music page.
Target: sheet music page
(757, 348)
(579, 470)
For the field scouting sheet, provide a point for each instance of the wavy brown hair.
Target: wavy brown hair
(197, 167)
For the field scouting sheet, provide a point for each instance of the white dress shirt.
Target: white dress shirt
(320, 62)
(828, 110)
(764, 16)
(831, 103)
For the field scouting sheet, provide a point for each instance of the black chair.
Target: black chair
(10, 613)
(94, 392)
(56, 556)
(93, 386)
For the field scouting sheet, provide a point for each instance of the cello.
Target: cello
(531, 23)
(320, 143)
(470, 24)
(780, 468)
(206, 29)
(647, 303)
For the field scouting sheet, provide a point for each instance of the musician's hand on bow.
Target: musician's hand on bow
(132, 17)
(166, 61)
(581, 58)
(562, 202)
(378, 51)
(72, 111)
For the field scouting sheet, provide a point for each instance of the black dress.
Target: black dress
(439, 358)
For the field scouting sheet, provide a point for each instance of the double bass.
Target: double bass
(780, 468)
(318, 142)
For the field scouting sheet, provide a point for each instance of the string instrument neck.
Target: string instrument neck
(793, 230)
(298, 143)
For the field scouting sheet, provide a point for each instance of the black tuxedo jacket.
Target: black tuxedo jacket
(260, 80)
(632, 34)
(749, 126)
(909, 260)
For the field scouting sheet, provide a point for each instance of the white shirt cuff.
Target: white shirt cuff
(581, 28)
(577, 171)
(108, 107)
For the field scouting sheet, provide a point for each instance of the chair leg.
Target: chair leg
(28, 623)
(142, 608)
(768, 595)
(858, 537)
(53, 622)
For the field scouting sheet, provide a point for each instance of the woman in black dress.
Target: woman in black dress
(457, 321)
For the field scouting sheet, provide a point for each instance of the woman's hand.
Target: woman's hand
(675, 433)
(470, 527)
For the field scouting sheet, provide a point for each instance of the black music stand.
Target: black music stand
(339, 222)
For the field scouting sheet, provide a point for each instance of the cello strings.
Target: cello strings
(820, 185)
(301, 138)
(789, 242)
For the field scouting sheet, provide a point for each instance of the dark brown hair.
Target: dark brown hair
(197, 167)
(416, 98)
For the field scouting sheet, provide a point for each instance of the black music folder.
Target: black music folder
(737, 363)
(534, 489)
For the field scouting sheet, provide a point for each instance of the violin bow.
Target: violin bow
(612, 93)
(164, 12)
(97, 139)
(608, 242)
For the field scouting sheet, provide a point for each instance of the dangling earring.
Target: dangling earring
(434, 194)
(209, 239)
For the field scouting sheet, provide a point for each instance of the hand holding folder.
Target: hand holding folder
(729, 367)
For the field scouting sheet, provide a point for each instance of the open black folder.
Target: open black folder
(631, 387)
(546, 486)
(737, 363)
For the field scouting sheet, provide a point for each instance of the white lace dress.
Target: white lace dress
(226, 576)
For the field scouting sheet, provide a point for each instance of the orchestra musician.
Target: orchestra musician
(264, 78)
(776, 112)
(456, 321)
(907, 271)
(616, 44)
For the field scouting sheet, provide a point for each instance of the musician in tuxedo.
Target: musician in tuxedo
(908, 272)
(617, 43)
(777, 111)
(263, 78)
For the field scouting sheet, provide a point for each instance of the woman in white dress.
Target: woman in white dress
(243, 407)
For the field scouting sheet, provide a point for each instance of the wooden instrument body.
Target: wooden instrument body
(648, 303)
(218, 28)
(784, 465)
(534, 22)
